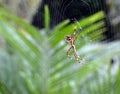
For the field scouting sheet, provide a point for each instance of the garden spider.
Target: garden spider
(71, 39)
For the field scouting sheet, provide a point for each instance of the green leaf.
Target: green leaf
(47, 19)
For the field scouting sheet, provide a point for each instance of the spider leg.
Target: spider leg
(68, 52)
(75, 54)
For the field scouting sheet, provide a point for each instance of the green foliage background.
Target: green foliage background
(33, 62)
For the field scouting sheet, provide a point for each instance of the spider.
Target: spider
(71, 39)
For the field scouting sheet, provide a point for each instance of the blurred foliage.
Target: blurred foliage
(24, 9)
(33, 62)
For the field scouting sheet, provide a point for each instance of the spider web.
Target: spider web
(69, 9)
(90, 7)
(61, 10)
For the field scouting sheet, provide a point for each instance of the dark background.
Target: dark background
(69, 9)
